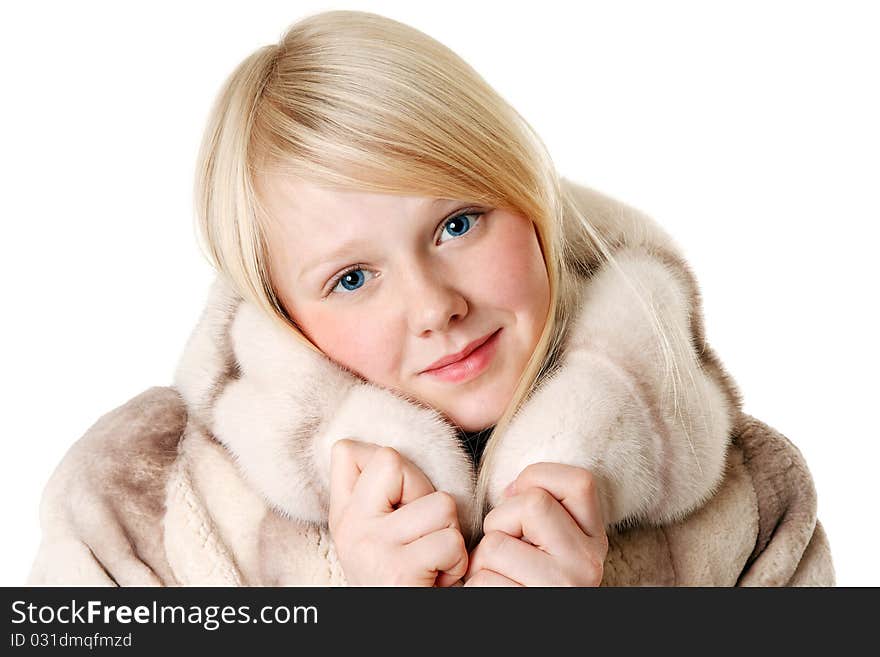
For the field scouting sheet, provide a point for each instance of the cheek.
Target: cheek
(355, 342)
(512, 271)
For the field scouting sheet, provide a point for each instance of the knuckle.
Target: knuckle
(538, 500)
(586, 483)
(341, 448)
(489, 521)
(455, 541)
(594, 567)
(336, 532)
(336, 522)
(528, 471)
(573, 582)
(478, 579)
(494, 541)
(389, 458)
(446, 504)
(458, 541)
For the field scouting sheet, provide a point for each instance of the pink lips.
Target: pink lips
(474, 362)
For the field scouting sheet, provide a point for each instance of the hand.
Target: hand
(549, 531)
(378, 544)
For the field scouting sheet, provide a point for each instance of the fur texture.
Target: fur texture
(682, 475)
(656, 438)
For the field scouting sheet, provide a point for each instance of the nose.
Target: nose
(432, 301)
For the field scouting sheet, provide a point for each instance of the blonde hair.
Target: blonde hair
(353, 100)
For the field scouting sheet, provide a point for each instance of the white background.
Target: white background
(749, 130)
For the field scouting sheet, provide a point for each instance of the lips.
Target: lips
(469, 367)
(461, 355)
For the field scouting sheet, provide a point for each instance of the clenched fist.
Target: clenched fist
(389, 525)
(549, 531)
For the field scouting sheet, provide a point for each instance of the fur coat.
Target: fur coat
(223, 478)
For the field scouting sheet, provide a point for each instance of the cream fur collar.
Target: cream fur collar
(278, 407)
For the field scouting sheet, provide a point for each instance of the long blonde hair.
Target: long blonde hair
(353, 100)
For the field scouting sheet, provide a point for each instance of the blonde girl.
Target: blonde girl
(427, 360)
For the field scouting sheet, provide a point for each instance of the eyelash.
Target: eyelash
(465, 213)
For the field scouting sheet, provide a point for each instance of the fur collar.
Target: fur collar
(278, 407)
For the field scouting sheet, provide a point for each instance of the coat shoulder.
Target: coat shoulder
(791, 547)
(128, 448)
(155, 417)
(130, 452)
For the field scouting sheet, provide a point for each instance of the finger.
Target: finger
(443, 552)
(535, 515)
(445, 580)
(420, 517)
(347, 459)
(574, 487)
(512, 558)
(486, 577)
(388, 479)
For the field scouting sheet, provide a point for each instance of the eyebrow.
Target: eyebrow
(349, 247)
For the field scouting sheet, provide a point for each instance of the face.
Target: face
(387, 285)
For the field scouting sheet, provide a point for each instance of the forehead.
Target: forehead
(317, 218)
(294, 202)
(311, 227)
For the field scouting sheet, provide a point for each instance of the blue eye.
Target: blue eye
(354, 278)
(459, 224)
(351, 279)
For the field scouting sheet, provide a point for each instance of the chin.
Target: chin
(476, 413)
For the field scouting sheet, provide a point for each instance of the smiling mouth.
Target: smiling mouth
(460, 356)
(472, 365)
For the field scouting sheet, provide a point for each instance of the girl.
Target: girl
(427, 360)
